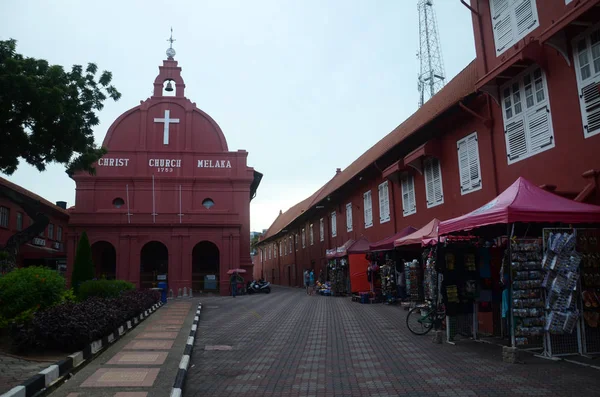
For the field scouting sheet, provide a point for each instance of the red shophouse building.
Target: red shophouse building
(47, 249)
(169, 200)
(528, 105)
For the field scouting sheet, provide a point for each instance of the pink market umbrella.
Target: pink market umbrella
(231, 271)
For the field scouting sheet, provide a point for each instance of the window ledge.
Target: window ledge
(435, 204)
(464, 192)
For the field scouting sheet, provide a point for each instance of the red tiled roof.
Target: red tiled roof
(31, 195)
(287, 217)
(462, 85)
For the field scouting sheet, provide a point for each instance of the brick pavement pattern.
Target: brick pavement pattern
(142, 363)
(289, 344)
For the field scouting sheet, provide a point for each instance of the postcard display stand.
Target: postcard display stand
(527, 308)
(561, 264)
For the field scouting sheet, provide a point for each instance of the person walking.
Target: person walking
(311, 280)
(233, 282)
(307, 281)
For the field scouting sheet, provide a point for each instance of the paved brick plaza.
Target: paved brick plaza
(289, 344)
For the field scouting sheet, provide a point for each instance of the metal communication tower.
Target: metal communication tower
(431, 73)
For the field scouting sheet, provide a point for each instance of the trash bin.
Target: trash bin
(163, 294)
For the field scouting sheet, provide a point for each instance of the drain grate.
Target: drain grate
(217, 347)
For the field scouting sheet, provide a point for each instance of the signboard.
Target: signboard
(161, 277)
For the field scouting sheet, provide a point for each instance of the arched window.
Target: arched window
(118, 202)
(208, 203)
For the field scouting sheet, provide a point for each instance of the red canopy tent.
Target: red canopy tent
(360, 246)
(523, 202)
(422, 236)
(388, 243)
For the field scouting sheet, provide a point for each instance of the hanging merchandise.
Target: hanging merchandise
(431, 275)
(338, 270)
(561, 263)
(388, 280)
(414, 280)
(527, 301)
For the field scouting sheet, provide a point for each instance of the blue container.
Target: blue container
(163, 293)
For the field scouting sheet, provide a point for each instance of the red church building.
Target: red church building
(169, 201)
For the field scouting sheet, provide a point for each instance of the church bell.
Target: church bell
(169, 87)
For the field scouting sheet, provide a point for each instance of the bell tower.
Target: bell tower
(170, 73)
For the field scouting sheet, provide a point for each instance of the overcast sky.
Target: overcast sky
(305, 86)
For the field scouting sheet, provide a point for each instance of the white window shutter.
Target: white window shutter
(411, 195)
(516, 141)
(502, 22)
(387, 201)
(405, 196)
(381, 203)
(333, 224)
(525, 15)
(463, 165)
(322, 229)
(437, 181)
(349, 217)
(429, 183)
(590, 101)
(474, 165)
(368, 209)
(539, 127)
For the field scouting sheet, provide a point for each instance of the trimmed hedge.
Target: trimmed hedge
(103, 289)
(71, 326)
(26, 290)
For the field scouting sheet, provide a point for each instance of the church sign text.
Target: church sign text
(214, 164)
(113, 162)
(165, 165)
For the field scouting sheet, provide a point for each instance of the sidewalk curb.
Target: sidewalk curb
(58, 371)
(187, 354)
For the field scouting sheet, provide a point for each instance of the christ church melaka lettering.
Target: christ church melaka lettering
(164, 165)
(214, 164)
(112, 162)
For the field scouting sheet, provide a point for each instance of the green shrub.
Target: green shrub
(103, 289)
(83, 267)
(26, 290)
(68, 296)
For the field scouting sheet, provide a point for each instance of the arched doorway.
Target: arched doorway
(205, 267)
(104, 257)
(154, 261)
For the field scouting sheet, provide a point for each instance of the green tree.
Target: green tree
(47, 115)
(83, 267)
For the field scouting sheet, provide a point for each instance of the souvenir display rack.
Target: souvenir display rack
(430, 284)
(587, 245)
(561, 264)
(388, 280)
(414, 280)
(527, 301)
(337, 276)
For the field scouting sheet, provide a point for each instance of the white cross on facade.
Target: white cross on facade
(167, 121)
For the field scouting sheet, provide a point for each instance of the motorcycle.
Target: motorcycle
(259, 286)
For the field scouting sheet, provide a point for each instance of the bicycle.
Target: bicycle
(422, 319)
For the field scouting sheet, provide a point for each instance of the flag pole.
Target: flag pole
(128, 211)
(153, 202)
(180, 214)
